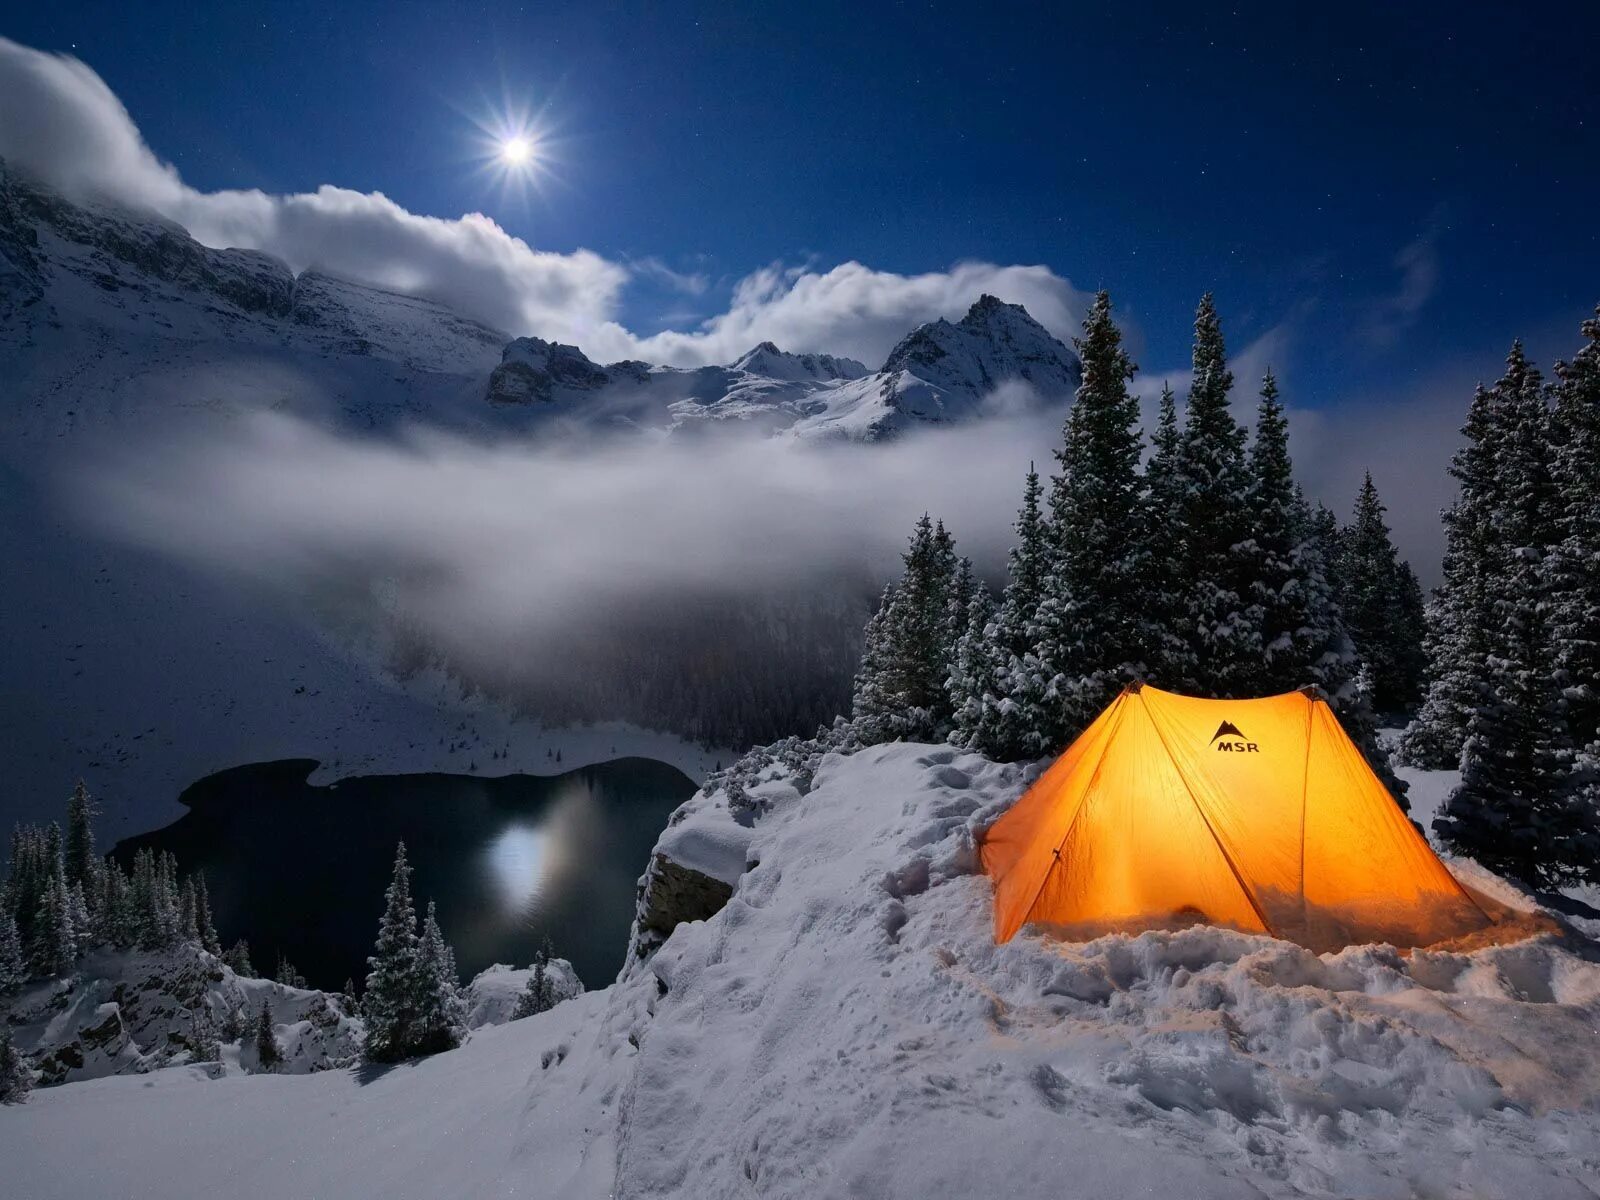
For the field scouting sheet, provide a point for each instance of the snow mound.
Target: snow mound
(493, 993)
(130, 1012)
(846, 1026)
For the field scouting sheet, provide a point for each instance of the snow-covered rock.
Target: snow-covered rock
(493, 993)
(846, 1026)
(132, 1012)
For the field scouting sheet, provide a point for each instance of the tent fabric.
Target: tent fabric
(1260, 815)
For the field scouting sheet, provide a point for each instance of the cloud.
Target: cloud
(1418, 264)
(690, 283)
(850, 310)
(63, 124)
(508, 557)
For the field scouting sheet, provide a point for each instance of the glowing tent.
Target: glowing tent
(1256, 814)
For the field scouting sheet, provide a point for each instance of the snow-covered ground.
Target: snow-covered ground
(846, 1026)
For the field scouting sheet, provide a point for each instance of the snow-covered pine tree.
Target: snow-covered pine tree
(1211, 487)
(142, 901)
(168, 907)
(910, 647)
(1382, 604)
(539, 994)
(268, 1053)
(13, 963)
(78, 911)
(972, 681)
(237, 957)
(1459, 615)
(109, 926)
(203, 1040)
(392, 1005)
(1000, 701)
(1171, 660)
(202, 915)
(1518, 808)
(1573, 564)
(188, 926)
(55, 943)
(16, 1077)
(1090, 631)
(79, 856)
(440, 1021)
(1303, 638)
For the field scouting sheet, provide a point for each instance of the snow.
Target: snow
(493, 993)
(846, 1026)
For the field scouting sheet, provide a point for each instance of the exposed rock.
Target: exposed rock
(670, 894)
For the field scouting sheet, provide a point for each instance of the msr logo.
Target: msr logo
(1230, 739)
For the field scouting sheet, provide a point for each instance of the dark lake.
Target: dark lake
(301, 870)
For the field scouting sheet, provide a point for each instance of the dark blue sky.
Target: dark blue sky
(1398, 189)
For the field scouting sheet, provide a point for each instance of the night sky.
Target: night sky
(1385, 196)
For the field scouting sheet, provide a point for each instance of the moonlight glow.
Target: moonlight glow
(516, 152)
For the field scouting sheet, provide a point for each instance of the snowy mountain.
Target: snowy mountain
(117, 330)
(941, 372)
(845, 1025)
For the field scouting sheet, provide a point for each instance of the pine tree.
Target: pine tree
(202, 912)
(999, 703)
(80, 860)
(238, 958)
(1090, 632)
(112, 922)
(203, 1040)
(287, 975)
(1573, 565)
(13, 964)
(439, 1023)
(1519, 808)
(188, 925)
(55, 945)
(392, 1004)
(539, 994)
(1382, 604)
(1171, 659)
(16, 1077)
(910, 647)
(1459, 616)
(1290, 600)
(268, 1053)
(1212, 491)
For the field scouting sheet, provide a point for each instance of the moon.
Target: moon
(516, 151)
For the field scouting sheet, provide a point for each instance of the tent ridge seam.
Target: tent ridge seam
(1201, 809)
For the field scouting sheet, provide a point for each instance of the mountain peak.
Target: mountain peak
(995, 342)
(766, 359)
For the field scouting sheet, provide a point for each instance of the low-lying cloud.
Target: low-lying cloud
(63, 124)
(485, 545)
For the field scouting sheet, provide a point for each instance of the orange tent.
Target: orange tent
(1256, 814)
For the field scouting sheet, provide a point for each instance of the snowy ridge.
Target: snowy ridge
(131, 1012)
(940, 372)
(846, 1026)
